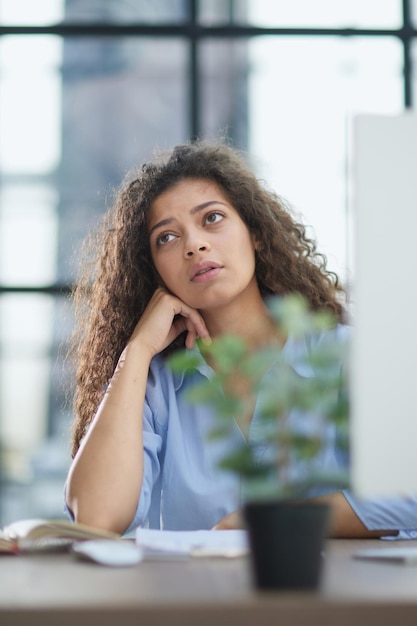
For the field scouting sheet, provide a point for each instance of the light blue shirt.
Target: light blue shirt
(183, 487)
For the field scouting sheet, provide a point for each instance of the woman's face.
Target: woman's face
(201, 248)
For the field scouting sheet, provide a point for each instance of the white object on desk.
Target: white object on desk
(196, 543)
(108, 552)
(404, 555)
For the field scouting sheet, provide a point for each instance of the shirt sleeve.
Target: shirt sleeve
(155, 425)
(394, 513)
(152, 446)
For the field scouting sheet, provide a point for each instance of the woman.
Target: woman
(191, 249)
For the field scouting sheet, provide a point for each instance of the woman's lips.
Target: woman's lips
(204, 271)
(206, 275)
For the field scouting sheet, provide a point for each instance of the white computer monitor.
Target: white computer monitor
(384, 350)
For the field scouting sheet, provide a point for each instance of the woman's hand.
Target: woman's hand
(231, 521)
(166, 317)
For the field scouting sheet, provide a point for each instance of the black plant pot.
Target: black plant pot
(286, 543)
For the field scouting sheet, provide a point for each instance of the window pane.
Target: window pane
(28, 12)
(104, 105)
(302, 93)
(151, 11)
(26, 358)
(28, 234)
(30, 73)
(414, 73)
(414, 12)
(304, 13)
(224, 84)
(34, 424)
(129, 97)
(215, 12)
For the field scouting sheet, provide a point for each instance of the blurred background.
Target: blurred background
(89, 88)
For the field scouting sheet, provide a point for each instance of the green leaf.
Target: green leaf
(219, 433)
(336, 479)
(339, 412)
(224, 405)
(305, 447)
(183, 360)
(226, 353)
(242, 462)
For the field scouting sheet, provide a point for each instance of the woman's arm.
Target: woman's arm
(344, 523)
(105, 478)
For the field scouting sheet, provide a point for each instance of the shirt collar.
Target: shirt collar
(295, 349)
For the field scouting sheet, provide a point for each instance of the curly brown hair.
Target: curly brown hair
(119, 279)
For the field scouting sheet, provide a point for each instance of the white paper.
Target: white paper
(225, 543)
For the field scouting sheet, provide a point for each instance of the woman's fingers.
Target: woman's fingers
(194, 324)
(166, 317)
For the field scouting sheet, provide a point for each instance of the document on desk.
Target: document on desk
(192, 543)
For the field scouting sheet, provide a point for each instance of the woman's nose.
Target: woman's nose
(197, 245)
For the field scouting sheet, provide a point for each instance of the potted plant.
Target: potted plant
(297, 406)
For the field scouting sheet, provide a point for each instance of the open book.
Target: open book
(42, 534)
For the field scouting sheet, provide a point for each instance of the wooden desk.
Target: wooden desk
(59, 590)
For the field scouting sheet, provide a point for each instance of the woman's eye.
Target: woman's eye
(214, 217)
(164, 238)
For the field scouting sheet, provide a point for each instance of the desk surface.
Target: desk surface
(59, 589)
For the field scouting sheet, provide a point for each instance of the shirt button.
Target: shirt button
(413, 533)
